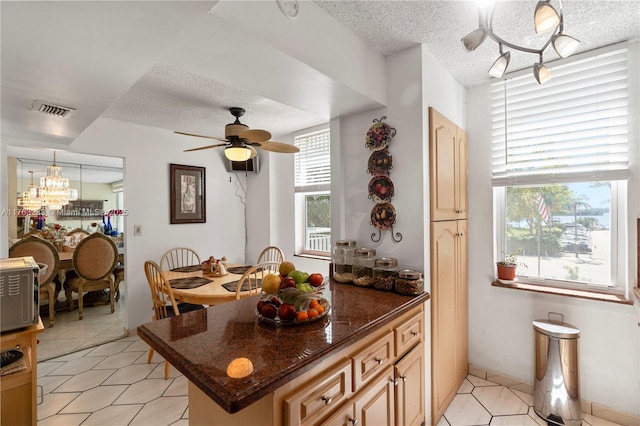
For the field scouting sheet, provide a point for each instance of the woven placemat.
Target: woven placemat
(234, 284)
(14, 367)
(238, 269)
(191, 268)
(188, 283)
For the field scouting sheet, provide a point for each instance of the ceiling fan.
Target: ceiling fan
(241, 142)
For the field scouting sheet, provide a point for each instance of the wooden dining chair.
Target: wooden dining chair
(94, 260)
(178, 257)
(253, 277)
(73, 238)
(271, 254)
(164, 304)
(44, 252)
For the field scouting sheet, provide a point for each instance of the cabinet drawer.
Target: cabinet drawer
(318, 398)
(409, 334)
(373, 359)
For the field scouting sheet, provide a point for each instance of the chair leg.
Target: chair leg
(52, 303)
(80, 302)
(111, 297)
(150, 356)
(166, 370)
(68, 293)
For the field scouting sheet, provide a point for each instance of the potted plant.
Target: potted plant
(508, 265)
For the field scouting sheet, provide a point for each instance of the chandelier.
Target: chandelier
(545, 19)
(54, 188)
(28, 200)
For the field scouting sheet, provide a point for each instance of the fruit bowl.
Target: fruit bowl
(298, 312)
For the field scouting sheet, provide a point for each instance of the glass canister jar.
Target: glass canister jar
(385, 270)
(409, 282)
(343, 258)
(363, 267)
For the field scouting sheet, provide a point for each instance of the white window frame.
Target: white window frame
(301, 192)
(621, 200)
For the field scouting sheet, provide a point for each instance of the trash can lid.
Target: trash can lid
(561, 330)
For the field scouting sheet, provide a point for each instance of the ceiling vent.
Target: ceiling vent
(51, 109)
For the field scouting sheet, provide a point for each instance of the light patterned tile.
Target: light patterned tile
(94, 399)
(185, 415)
(52, 403)
(442, 422)
(118, 360)
(76, 366)
(143, 392)
(179, 387)
(466, 410)
(130, 374)
(477, 381)
(48, 349)
(465, 387)
(85, 381)
(520, 420)
(45, 368)
(157, 358)
(181, 422)
(73, 355)
(162, 411)
(158, 372)
(64, 420)
(500, 401)
(50, 383)
(113, 415)
(138, 346)
(526, 397)
(597, 421)
(109, 348)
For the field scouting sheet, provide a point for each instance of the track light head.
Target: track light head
(564, 45)
(545, 18)
(499, 67)
(474, 39)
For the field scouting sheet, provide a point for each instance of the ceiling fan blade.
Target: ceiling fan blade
(200, 136)
(278, 147)
(255, 135)
(205, 147)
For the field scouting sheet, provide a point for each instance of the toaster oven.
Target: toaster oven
(19, 292)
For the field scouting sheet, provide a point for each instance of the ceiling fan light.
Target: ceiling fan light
(238, 153)
(545, 17)
(564, 45)
(474, 39)
(500, 65)
(541, 73)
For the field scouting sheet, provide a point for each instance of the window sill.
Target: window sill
(582, 294)
(636, 292)
(313, 256)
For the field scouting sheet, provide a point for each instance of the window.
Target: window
(312, 169)
(560, 161)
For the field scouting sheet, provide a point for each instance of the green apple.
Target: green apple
(298, 276)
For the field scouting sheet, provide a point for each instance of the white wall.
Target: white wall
(500, 320)
(148, 152)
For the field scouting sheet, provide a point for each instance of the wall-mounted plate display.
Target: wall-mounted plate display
(379, 136)
(381, 189)
(383, 216)
(380, 162)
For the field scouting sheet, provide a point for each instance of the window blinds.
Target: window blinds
(312, 165)
(572, 128)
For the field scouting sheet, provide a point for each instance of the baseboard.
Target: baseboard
(588, 407)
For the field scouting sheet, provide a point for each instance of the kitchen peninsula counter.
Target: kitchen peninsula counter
(201, 344)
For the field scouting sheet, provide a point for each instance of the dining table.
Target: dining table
(210, 293)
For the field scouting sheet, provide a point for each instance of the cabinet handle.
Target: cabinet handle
(378, 360)
(353, 422)
(414, 333)
(394, 381)
(404, 378)
(327, 400)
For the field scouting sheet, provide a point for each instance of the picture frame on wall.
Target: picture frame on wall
(187, 196)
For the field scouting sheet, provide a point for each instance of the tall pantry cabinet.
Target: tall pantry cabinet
(449, 248)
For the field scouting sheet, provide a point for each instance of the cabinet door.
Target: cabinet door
(443, 315)
(461, 174)
(442, 166)
(462, 302)
(375, 404)
(410, 388)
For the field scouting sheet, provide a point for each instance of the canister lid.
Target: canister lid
(409, 274)
(387, 261)
(561, 330)
(346, 243)
(365, 252)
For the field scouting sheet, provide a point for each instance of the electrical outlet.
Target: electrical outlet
(137, 230)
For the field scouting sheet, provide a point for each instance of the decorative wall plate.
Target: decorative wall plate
(379, 135)
(381, 189)
(380, 162)
(383, 216)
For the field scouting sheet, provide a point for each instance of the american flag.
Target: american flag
(542, 209)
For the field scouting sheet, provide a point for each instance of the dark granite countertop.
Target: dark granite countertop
(201, 344)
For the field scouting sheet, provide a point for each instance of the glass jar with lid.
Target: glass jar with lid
(343, 258)
(409, 282)
(385, 270)
(363, 267)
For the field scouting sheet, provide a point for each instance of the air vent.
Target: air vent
(51, 109)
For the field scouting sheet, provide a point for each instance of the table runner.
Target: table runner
(189, 282)
(190, 268)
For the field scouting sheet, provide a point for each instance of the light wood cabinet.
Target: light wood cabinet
(19, 389)
(449, 248)
(409, 376)
(448, 168)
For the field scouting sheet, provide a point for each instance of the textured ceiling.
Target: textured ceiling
(392, 26)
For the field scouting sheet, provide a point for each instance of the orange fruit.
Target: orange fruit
(312, 313)
(302, 316)
(319, 308)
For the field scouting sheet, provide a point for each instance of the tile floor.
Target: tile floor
(112, 384)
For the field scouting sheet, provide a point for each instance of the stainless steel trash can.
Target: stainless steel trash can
(555, 389)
